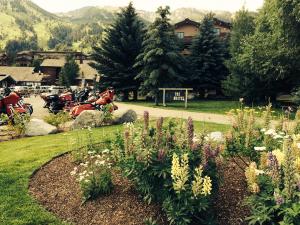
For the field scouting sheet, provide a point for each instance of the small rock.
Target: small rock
(128, 117)
(66, 126)
(216, 136)
(37, 127)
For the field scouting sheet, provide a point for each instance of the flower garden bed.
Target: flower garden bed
(58, 191)
(167, 174)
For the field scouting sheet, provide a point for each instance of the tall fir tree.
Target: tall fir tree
(69, 72)
(160, 63)
(207, 58)
(116, 55)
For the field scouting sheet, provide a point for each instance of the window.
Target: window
(217, 31)
(180, 35)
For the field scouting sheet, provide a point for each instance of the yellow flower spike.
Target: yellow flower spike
(297, 165)
(255, 188)
(207, 186)
(279, 156)
(250, 174)
(263, 160)
(198, 180)
(180, 172)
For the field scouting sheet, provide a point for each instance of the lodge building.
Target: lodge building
(52, 63)
(188, 29)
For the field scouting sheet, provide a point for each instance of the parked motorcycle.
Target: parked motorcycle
(99, 103)
(65, 101)
(12, 102)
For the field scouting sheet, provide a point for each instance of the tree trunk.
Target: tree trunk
(135, 95)
(125, 96)
(156, 99)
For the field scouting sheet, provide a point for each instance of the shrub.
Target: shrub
(18, 123)
(95, 176)
(272, 157)
(94, 165)
(274, 185)
(170, 165)
(3, 119)
(58, 119)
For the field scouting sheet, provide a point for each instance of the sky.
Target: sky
(151, 5)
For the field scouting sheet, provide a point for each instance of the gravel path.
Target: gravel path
(37, 102)
(156, 112)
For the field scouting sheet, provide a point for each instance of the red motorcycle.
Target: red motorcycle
(12, 102)
(104, 98)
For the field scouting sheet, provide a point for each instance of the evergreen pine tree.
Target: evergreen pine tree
(207, 58)
(69, 72)
(160, 63)
(115, 57)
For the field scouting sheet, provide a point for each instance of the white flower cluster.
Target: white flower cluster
(274, 134)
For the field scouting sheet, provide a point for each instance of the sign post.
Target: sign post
(177, 97)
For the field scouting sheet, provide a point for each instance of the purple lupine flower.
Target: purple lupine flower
(126, 140)
(161, 155)
(273, 165)
(159, 124)
(298, 185)
(209, 153)
(196, 146)
(278, 199)
(146, 120)
(190, 131)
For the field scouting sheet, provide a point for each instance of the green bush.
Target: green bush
(272, 159)
(94, 175)
(18, 123)
(171, 166)
(58, 119)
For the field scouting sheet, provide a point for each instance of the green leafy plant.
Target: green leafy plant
(94, 175)
(58, 119)
(170, 165)
(18, 123)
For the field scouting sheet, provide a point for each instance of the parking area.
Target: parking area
(37, 102)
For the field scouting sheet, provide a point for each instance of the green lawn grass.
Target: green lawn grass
(205, 106)
(19, 159)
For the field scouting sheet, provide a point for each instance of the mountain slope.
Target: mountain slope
(24, 20)
(107, 14)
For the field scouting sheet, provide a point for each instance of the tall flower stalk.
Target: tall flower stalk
(190, 132)
(289, 170)
(159, 124)
(146, 121)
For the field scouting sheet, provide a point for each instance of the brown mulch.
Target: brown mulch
(230, 206)
(59, 193)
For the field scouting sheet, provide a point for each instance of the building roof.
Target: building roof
(20, 74)
(187, 21)
(54, 62)
(4, 77)
(222, 23)
(86, 71)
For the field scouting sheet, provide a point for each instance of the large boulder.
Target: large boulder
(127, 117)
(37, 127)
(88, 118)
